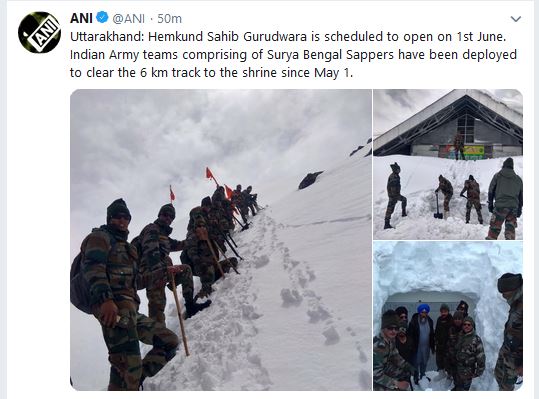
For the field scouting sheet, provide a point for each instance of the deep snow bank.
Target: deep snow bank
(468, 267)
(419, 179)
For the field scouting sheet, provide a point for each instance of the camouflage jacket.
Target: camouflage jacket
(445, 186)
(197, 250)
(506, 189)
(237, 198)
(471, 187)
(156, 246)
(512, 334)
(394, 185)
(469, 355)
(388, 365)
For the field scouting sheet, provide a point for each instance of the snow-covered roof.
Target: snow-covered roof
(491, 110)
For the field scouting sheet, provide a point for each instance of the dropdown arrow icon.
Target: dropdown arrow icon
(516, 19)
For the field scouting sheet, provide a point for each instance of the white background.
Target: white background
(38, 142)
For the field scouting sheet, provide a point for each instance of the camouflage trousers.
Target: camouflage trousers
(127, 369)
(157, 299)
(457, 150)
(477, 205)
(462, 382)
(447, 198)
(244, 212)
(499, 216)
(505, 371)
(391, 205)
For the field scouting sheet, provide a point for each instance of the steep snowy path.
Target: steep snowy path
(298, 317)
(419, 179)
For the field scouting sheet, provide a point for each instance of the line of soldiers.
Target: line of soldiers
(116, 269)
(397, 353)
(505, 199)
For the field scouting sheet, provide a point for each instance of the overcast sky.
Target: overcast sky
(392, 107)
(134, 143)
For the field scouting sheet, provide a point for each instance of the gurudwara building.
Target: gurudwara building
(489, 129)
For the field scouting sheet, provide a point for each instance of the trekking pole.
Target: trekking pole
(228, 260)
(179, 309)
(242, 226)
(230, 236)
(215, 258)
(232, 247)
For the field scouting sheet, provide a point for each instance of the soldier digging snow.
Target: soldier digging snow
(504, 201)
(390, 370)
(394, 194)
(109, 264)
(509, 365)
(447, 190)
(471, 187)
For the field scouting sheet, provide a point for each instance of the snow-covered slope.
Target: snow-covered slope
(298, 317)
(419, 179)
(470, 268)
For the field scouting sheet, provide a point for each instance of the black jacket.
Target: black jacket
(413, 331)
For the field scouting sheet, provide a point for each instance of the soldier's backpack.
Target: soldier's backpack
(79, 287)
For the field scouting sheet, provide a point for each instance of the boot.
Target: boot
(192, 308)
(387, 225)
(404, 212)
(467, 221)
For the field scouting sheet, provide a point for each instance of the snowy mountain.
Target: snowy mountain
(465, 269)
(419, 179)
(298, 317)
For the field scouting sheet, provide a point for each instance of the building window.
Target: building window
(465, 126)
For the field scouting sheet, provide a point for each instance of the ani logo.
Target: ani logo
(39, 32)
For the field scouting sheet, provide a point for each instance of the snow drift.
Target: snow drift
(419, 179)
(471, 268)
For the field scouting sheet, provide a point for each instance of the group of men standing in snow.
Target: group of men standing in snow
(116, 269)
(401, 349)
(505, 199)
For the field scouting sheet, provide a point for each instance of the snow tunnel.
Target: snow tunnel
(411, 300)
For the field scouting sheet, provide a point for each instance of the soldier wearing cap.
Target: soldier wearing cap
(469, 356)
(389, 368)
(509, 365)
(156, 246)
(110, 267)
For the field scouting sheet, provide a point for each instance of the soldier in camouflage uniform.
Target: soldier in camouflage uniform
(237, 201)
(504, 201)
(155, 246)
(198, 253)
(390, 371)
(447, 190)
(452, 340)
(509, 364)
(471, 186)
(251, 200)
(394, 194)
(458, 143)
(469, 356)
(109, 265)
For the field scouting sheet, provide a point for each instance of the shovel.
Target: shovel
(438, 215)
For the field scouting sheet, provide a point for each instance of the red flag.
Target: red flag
(228, 192)
(209, 175)
(172, 196)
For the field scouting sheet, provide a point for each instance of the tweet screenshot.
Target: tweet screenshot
(315, 197)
